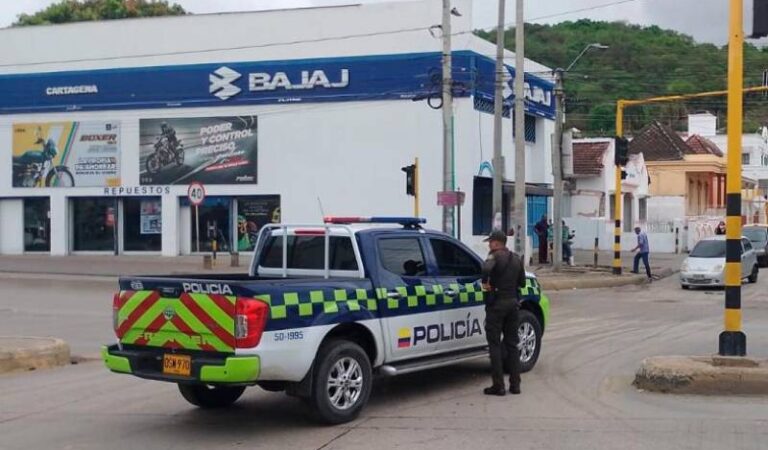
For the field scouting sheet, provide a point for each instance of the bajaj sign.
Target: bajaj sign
(223, 81)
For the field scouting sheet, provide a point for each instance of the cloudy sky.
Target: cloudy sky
(703, 19)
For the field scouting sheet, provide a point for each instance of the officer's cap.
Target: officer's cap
(496, 235)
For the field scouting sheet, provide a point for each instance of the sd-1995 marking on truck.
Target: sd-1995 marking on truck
(323, 309)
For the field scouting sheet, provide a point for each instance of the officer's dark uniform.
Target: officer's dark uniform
(505, 273)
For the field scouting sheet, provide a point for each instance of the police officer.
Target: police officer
(503, 276)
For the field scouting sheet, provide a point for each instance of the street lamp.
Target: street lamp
(557, 154)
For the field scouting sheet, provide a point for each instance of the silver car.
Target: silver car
(705, 265)
(758, 236)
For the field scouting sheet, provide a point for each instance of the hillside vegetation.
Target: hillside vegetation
(641, 62)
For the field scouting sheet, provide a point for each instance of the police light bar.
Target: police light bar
(404, 221)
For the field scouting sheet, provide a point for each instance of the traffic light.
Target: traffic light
(621, 157)
(760, 19)
(410, 179)
(623, 174)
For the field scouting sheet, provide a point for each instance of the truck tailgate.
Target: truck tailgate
(172, 319)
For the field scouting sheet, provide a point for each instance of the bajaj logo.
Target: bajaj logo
(221, 83)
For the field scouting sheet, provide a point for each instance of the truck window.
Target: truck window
(308, 252)
(452, 260)
(402, 256)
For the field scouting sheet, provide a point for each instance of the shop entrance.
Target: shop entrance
(37, 224)
(115, 225)
(214, 223)
(94, 224)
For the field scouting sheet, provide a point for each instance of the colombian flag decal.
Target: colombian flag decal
(404, 338)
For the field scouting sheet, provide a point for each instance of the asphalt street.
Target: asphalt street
(578, 397)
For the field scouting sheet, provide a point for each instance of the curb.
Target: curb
(589, 283)
(32, 353)
(703, 375)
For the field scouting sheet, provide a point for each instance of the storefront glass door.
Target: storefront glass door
(214, 223)
(142, 224)
(37, 225)
(93, 224)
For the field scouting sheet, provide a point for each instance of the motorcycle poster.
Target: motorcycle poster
(66, 154)
(252, 214)
(209, 150)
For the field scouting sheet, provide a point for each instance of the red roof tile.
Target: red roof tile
(703, 146)
(588, 157)
(659, 142)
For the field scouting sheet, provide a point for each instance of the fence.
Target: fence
(661, 235)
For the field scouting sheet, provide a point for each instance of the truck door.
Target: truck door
(458, 272)
(407, 305)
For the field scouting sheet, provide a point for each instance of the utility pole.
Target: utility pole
(520, 222)
(447, 116)
(498, 159)
(557, 172)
(733, 341)
(617, 192)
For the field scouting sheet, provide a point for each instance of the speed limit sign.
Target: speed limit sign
(196, 193)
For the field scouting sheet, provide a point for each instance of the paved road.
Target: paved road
(578, 397)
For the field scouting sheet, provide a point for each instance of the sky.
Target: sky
(702, 19)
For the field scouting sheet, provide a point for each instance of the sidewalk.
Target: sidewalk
(113, 266)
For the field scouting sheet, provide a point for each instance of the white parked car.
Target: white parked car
(705, 265)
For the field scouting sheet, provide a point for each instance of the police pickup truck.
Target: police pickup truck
(323, 309)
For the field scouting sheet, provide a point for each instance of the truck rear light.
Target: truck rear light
(250, 319)
(116, 304)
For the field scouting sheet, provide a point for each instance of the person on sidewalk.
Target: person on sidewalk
(567, 238)
(541, 229)
(720, 230)
(643, 250)
(502, 278)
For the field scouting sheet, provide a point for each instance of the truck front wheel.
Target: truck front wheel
(342, 382)
(206, 396)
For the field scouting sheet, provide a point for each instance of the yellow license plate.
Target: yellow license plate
(177, 365)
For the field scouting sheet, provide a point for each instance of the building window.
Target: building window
(601, 206)
(643, 209)
(252, 214)
(612, 206)
(745, 159)
(93, 224)
(482, 206)
(530, 128)
(142, 224)
(37, 225)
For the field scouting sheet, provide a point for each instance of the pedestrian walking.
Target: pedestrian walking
(643, 250)
(503, 277)
(720, 230)
(542, 230)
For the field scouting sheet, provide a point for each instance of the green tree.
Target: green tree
(67, 11)
(641, 62)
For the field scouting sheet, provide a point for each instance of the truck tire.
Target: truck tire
(753, 276)
(206, 396)
(529, 333)
(342, 382)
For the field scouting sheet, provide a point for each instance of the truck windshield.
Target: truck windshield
(307, 252)
(709, 249)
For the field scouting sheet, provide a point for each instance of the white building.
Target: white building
(283, 115)
(592, 194)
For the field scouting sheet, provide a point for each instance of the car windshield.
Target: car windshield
(709, 249)
(755, 234)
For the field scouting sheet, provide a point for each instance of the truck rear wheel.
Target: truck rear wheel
(529, 333)
(206, 396)
(342, 382)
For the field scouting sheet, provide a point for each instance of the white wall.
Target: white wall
(12, 226)
(587, 229)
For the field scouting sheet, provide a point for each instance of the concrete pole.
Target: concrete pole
(447, 116)
(733, 341)
(557, 172)
(520, 203)
(498, 161)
